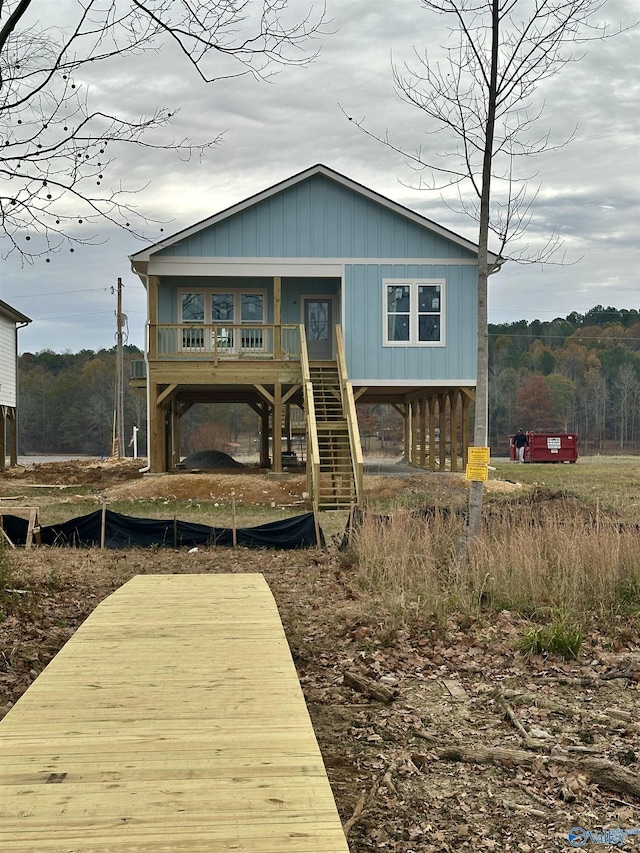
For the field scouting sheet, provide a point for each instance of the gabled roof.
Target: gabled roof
(319, 169)
(11, 313)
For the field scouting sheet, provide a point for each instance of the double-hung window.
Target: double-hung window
(413, 312)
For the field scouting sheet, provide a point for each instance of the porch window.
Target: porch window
(192, 311)
(252, 312)
(223, 309)
(413, 312)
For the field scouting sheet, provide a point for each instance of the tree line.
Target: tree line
(577, 374)
(67, 405)
(67, 402)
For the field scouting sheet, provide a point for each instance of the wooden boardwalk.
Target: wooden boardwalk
(172, 721)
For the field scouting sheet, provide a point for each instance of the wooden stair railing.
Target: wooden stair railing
(336, 486)
(349, 407)
(313, 451)
(334, 453)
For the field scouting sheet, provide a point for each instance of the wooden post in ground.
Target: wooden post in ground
(407, 432)
(157, 461)
(466, 404)
(432, 433)
(174, 432)
(442, 428)
(287, 426)
(264, 435)
(234, 535)
(277, 428)
(103, 526)
(453, 427)
(33, 528)
(316, 523)
(414, 431)
(423, 432)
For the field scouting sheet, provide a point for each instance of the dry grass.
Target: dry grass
(549, 564)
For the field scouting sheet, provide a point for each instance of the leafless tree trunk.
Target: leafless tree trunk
(627, 389)
(480, 99)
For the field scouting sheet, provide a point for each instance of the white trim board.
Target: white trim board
(263, 267)
(412, 383)
(284, 267)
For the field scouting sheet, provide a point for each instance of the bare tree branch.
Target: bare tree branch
(57, 152)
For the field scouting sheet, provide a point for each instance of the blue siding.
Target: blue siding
(368, 359)
(322, 218)
(317, 218)
(295, 289)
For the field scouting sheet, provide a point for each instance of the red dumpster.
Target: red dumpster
(549, 447)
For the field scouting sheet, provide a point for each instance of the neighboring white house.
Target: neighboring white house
(10, 321)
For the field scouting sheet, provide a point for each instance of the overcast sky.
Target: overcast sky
(589, 193)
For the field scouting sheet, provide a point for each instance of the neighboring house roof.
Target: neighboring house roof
(11, 313)
(319, 169)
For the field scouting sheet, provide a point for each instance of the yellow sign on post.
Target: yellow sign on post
(477, 472)
(479, 456)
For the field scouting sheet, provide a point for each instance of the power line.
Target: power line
(54, 293)
(592, 339)
(82, 314)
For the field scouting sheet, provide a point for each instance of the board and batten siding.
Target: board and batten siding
(369, 360)
(317, 218)
(7, 362)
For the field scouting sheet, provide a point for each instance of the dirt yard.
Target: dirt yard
(443, 740)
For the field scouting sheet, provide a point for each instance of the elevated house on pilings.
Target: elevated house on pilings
(10, 321)
(316, 293)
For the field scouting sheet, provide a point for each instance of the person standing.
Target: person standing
(520, 441)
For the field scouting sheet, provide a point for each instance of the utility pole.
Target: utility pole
(118, 449)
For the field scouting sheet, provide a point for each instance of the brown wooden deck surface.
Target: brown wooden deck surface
(172, 721)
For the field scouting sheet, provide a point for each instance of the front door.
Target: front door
(318, 327)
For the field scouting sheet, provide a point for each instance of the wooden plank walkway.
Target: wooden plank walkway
(172, 721)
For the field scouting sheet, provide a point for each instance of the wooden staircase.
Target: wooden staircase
(337, 487)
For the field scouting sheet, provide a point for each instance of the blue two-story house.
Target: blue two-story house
(318, 293)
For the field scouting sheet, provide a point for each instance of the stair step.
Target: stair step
(336, 487)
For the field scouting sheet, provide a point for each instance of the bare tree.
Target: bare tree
(56, 147)
(480, 108)
(627, 390)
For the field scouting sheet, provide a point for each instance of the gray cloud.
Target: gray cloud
(589, 189)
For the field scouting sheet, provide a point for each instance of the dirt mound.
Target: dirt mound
(77, 472)
(210, 460)
(247, 489)
(539, 502)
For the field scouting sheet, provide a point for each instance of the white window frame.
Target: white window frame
(413, 284)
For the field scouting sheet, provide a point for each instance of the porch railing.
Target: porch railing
(224, 341)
